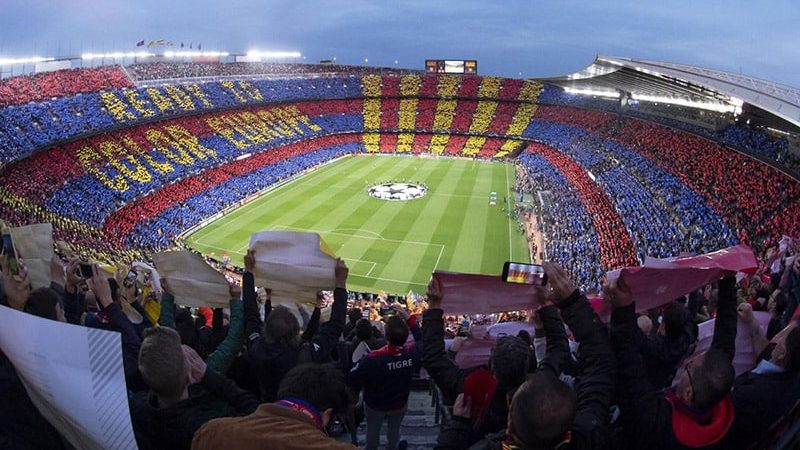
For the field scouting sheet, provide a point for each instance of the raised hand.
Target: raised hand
(435, 295)
(617, 293)
(16, 287)
(99, 285)
(401, 312)
(250, 261)
(341, 271)
(462, 406)
(57, 271)
(559, 281)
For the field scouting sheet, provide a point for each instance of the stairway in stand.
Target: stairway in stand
(418, 429)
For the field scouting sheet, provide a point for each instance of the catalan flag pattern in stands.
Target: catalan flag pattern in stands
(372, 112)
(409, 90)
(445, 111)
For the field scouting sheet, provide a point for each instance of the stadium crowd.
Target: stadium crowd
(172, 70)
(256, 375)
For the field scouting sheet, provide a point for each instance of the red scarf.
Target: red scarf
(302, 407)
(694, 428)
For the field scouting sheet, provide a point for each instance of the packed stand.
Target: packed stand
(171, 70)
(569, 373)
(47, 85)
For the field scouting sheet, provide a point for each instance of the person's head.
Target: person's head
(363, 329)
(541, 412)
(162, 362)
(675, 316)
(354, 315)
(43, 302)
(281, 328)
(396, 331)
(321, 385)
(525, 336)
(510, 361)
(705, 379)
(787, 351)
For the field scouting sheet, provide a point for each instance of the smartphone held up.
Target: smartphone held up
(524, 273)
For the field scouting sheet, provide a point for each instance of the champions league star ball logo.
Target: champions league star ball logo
(397, 191)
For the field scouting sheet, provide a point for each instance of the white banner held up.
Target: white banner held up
(74, 376)
(294, 265)
(192, 281)
(34, 245)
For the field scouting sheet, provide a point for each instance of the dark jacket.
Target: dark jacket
(662, 354)
(273, 362)
(594, 384)
(647, 413)
(450, 379)
(386, 373)
(759, 401)
(174, 426)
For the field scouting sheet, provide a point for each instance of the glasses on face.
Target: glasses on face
(689, 375)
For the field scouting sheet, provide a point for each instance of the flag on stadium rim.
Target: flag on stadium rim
(140, 43)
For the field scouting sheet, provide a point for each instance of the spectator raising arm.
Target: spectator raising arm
(442, 369)
(596, 364)
(323, 343)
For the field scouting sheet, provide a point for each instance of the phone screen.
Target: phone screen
(522, 273)
(86, 270)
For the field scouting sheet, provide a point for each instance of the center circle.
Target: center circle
(397, 191)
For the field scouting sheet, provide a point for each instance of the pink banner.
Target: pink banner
(465, 293)
(474, 353)
(660, 281)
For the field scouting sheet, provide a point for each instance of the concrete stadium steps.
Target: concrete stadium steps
(418, 428)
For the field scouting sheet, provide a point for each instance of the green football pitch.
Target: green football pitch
(388, 245)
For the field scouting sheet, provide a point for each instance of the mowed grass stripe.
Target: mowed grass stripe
(432, 219)
(452, 222)
(470, 239)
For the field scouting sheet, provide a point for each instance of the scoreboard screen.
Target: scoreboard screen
(469, 66)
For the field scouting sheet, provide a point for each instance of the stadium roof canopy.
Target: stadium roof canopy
(690, 85)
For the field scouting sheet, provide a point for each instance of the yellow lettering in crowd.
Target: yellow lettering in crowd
(218, 125)
(230, 86)
(293, 115)
(271, 117)
(246, 128)
(125, 155)
(164, 145)
(137, 103)
(252, 129)
(114, 105)
(183, 137)
(117, 156)
(162, 103)
(198, 94)
(134, 148)
(251, 90)
(90, 160)
(181, 98)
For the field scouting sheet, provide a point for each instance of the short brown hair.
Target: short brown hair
(162, 363)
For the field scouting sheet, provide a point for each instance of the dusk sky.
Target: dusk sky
(534, 38)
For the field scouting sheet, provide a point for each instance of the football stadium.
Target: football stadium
(208, 249)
